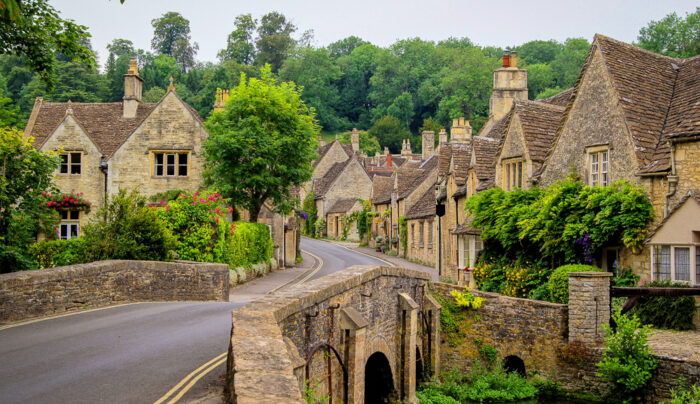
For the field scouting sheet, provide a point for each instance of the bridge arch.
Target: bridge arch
(513, 363)
(379, 380)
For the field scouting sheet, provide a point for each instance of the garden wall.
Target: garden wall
(56, 290)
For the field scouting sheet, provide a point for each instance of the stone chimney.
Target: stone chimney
(406, 148)
(221, 98)
(132, 89)
(461, 131)
(355, 140)
(428, 139)
(443, 136)
(386, 150)
(321, 142)
(509, 84)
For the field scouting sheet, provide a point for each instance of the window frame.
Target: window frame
(513, 173)
(598, 165)
(669, 251)
(69, 163)
(164, 165)
(70, 222)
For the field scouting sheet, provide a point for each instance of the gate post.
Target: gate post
(409, 329)
(589, 306)
(354, 327)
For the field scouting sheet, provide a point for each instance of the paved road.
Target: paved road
(129, 354)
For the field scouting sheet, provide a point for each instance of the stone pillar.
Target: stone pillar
(428, 139)
(589, 306)
(432, 309)
(354, 327)
(408, 310)
(355, 140)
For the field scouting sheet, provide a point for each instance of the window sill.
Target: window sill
(168, 176)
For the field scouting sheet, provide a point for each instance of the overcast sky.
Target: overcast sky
(486, 22)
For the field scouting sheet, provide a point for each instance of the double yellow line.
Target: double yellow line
(319, 265)
(194, 376)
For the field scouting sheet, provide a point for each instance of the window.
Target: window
(430, 234)
(421, 228)
(70, 163)
(69, 224)
(513, 174)
(675, 263)
(598, 167)
(413, 235)
(462, 251)
(170, 164)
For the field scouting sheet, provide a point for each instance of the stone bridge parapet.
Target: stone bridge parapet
(364, 329)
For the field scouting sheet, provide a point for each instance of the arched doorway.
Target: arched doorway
(379, 383)
(513, 363)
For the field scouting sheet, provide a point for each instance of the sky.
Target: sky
(498, 23)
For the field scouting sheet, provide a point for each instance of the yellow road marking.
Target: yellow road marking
(195, 380)
(5, 327)
(360, 252)
(188, 377)
(319, 264)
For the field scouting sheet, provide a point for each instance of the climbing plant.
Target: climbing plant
(403, 233)
(309, 206)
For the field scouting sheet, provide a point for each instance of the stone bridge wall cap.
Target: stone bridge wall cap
(351, 319)
(432, 303)
(590, 274)
(407, 302)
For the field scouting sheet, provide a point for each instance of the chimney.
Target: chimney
(443, 136)
(461, 131)
(355, 140)
(132, 90)
(321, 142)
(509, 84)
(428, 143)
(388, 160)
(407, 147)
(221, 98)
(386, 150)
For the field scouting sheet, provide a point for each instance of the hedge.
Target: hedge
(559, 281)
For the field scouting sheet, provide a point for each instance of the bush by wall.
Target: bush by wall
(559, 281)
(250, 244)
(58, 253)
(675, 313)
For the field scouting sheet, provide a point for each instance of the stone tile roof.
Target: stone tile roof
(562, 99)
(103, 123)
(461, 155)
(539, 122)
(412, 177)
(684, 114)
(322, 150)
(485, 151)
(342, 205)
(424, 206)
(444, 157)
(460, 191)
(381, 189)
(692, 194)
(466, 228)
(324, 183)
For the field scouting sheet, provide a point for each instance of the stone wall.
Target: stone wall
(687, 155)
(358, 311)
(422, 248)
(56, 290)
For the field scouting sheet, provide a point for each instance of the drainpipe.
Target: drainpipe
(284, 241)
(104, 167)
(672, 180)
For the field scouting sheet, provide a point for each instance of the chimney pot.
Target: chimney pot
(506, 60)
(388, 160)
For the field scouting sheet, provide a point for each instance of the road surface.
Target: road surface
(135, 353)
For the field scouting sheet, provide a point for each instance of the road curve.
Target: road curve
(132, 353)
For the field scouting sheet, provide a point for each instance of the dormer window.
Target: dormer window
(512, 174)
(170, 164)
(70, 163)
(598, 167)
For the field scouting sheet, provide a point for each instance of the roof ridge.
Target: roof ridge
(637, 48)
(539, 104)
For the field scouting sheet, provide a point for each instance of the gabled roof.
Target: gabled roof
(324, 183)
(381, 189)
(343, 205)
(103, 122)
(562, 99)
(424, 206)
(684, 115)
(485, 151)
(461, 155)
(539, 122)
(405, 177)
(322, 150)
(466, 227)
(692, 194)
(444, 157)
(419, 175)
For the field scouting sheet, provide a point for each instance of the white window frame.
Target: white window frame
(598, 166)
(693, 256)
(70, 222)
(513, 174)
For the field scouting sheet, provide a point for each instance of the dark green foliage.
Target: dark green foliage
(628, 362)
(673, 35)
(240, 46)
(57, 253)
(626, 279)
(558, 284)
(251, 243)
(274, 41)
(390, 133)
(128, 229)
(309, 207)
(673, 313)
(171, 37)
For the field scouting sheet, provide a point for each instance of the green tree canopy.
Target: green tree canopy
(345, 46)
(274, 39)
(368, 144)
(171, 37)
(673, 35)
(239, 45)
(566, 67)
(390, 133)
(538, 51)
(261, 144)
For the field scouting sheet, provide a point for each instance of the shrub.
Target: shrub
(57, 253)
(251, 244)
(626, 279)
(675, 313)
(490, 276)
(627, 362)
(521, 279)
(128, 229)
(559, 281)
(320, 227)
(685, 394)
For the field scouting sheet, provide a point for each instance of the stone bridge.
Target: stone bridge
(361, 335)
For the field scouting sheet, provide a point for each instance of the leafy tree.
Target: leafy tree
(121, 47)
(274, 39)
(402, 108)
(539, 52)
(154, 94)
(548, 92)
(171, 37)
(25, 174)
(9, 113)
(75, 81)
(354, 85)
(344, 47)
(390, 133)
(673, 35)
(261, 144)
(157, 73)
(539, 78)
(240, 46)
(33, 28)
(368, 144)
(567, 65)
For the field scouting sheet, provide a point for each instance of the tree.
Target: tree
(539, 77)
(274, 39)
(673, 36)
(368, 144)
(33, 29)
(402, 108)
(9, 114)
(25, 174)
(430, 124)
(538, 51)
(261, 144)
(240, 46)
(345, 46)
(390, 133)
(566, 67)
(121, 47)
(171, 37)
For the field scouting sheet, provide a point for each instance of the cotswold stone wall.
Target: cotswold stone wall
(283, 339)
(529, 329)
(56, 290)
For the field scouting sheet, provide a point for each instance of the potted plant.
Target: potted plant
(380, 241)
